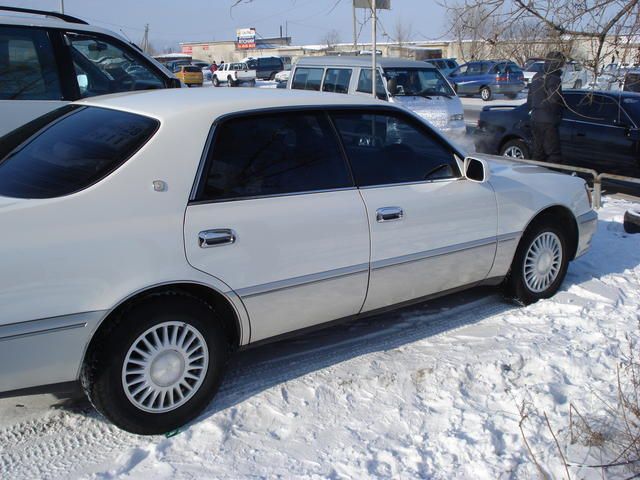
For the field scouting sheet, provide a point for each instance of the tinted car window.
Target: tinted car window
(103, 67)
(288, 153)
(27, 68)
(337, 80)
(389, 148)
(364, 84)
(307, 79)
(477, 68)
(68, 150)
(593, 108)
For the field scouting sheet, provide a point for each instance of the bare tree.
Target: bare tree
(331, 38)
(402, 33)
(593, 29)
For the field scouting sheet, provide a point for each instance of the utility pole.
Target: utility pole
(62, 6)
(374, 70)
(355, 34)
(145, 39)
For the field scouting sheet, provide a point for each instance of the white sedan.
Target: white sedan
(147, 236)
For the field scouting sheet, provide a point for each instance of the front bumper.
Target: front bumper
(587, 226)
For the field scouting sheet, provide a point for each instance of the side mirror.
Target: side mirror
(476, 170)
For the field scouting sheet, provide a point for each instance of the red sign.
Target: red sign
(188, 49)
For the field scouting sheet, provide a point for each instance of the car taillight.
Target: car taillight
(502, 78)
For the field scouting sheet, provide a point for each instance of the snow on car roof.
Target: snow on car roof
(361, 61)
(215, 102)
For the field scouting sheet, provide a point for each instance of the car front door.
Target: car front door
(431, 230)
(30, 84)
(604, 136)
(276, 216)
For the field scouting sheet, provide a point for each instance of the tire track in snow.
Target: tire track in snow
(68, 443)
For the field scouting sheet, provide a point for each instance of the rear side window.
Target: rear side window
(307, 79)
(288, 153)
(68, 150)
(192, 69)
(337, 80)
(27, 68)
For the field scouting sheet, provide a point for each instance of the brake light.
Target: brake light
(502, 78)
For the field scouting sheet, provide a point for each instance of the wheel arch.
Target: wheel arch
(566, 221)
(507, 138)
(221, 303)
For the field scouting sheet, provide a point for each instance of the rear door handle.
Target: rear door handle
(389, 214)
(216, 237)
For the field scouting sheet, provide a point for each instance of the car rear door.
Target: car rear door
(276, 216)
(431, 230)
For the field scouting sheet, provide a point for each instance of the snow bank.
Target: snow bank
(434, 391)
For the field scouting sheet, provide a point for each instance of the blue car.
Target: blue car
(487, 78)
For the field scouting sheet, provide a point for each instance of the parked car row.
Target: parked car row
(486, 78)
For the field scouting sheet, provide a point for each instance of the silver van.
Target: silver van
(417, 86)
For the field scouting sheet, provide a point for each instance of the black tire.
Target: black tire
(513, 146)
(216, 82)
(102, 372)
(515, 285)
(486, 94)
(577, 85)
(632, 221)
(230, 82)
(272, 76)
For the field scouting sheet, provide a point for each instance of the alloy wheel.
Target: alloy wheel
(542, 262)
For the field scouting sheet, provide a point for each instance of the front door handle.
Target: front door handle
(389, 214)
(216, 238)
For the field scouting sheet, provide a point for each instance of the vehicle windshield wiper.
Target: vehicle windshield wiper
(436, 93)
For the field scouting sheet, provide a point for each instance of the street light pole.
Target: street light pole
(374, 21)
(355, 35)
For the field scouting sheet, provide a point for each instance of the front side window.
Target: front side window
(288, 153)
(103, 67)
(68, 150)
(337, 80)
(27, 67)
(307, 79)
(417, 81)
(388, 148)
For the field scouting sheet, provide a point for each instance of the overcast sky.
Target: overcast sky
(307, 21)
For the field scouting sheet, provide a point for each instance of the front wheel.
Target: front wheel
(540, 263)
(157, 365)
(216, 82)
(485, 94)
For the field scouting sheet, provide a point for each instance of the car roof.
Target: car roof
(211, 103)
(360, 61)
(53, 22)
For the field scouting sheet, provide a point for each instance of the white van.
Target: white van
(417, 86)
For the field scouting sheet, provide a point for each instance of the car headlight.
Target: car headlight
(456, 117)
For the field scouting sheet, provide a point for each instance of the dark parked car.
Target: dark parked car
(265, 67)
(488, 78)
(598, 130)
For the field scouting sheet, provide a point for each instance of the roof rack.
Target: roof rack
(61, 16)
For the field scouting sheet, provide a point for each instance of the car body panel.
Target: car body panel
(85, 254)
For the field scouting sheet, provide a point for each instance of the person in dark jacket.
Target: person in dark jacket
(545, 102)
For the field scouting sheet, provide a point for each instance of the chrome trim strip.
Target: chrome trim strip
(507, 237)
(301, 280)
(274, 195)
(590, 216)
(41, 326)
(414, 257)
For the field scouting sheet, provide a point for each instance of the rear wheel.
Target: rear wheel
(540, 263)
(485, 94)
(515, 148)
(158, 365)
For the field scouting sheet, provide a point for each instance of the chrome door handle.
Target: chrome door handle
(389, 214)
(216, 238)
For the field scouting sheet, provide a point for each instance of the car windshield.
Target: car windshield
(417, 82)
(536, 67)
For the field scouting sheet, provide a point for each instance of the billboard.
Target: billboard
(380, 4)
(246, 38)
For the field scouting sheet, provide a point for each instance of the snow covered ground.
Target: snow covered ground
(433, 391)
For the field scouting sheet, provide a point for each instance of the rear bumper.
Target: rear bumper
(587, 226)
(509, 88)
(44, 352)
